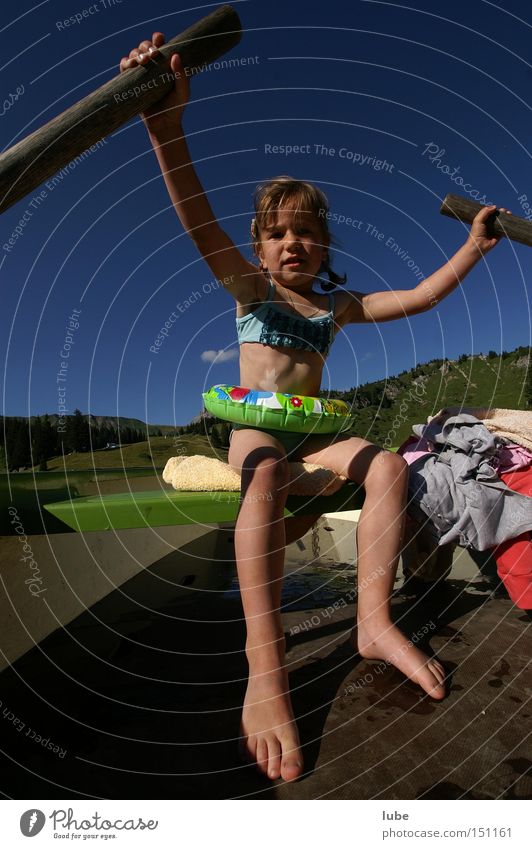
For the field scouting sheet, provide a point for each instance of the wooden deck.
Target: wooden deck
(146, 704)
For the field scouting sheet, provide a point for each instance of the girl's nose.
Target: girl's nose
(291, 237)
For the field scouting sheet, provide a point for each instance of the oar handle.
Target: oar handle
(31, 161)
(500, 224)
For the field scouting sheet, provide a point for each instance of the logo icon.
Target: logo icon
(32, 822)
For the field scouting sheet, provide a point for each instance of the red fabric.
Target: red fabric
(514, 557)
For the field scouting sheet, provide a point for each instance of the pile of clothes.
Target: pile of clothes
(470, 484)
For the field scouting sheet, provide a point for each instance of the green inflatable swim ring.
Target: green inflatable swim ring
(278, 410)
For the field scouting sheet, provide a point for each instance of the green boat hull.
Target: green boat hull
(169, 507)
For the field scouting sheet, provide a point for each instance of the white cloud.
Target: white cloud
(220, 356)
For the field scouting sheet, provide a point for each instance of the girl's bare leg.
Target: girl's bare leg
(268, 728)
(384, 476)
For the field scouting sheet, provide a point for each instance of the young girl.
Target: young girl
(285, 330)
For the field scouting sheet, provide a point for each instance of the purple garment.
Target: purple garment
(413, 450)
(512, 458)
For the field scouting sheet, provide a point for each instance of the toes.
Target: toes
(268, 758)
(274, 759)
(291, 768)
(431, 676)
(438, 670)
(261, 756)
(437, 692)
(436, 688)
(292, 762)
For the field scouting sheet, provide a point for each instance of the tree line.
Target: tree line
(27, 443)
(216, 430)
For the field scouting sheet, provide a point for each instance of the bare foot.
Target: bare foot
(388, 643)
(268, 728)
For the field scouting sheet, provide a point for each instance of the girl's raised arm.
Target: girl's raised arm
(163, 121)
(386, 306)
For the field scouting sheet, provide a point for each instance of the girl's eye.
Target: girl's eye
(300, 231)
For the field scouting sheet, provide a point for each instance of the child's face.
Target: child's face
(287, 239)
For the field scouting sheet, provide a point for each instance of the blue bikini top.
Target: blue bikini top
(274, 326)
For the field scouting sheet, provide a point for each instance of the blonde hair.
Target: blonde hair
(272, 196)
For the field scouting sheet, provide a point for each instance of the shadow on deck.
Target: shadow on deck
(147, 705)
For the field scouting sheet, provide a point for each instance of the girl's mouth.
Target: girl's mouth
(294, 261)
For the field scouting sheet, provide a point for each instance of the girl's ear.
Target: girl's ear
(258, 254)
(255, 243)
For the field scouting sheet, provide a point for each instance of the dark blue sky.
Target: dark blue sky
(374, 81)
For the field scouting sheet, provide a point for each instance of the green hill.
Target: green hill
(154, 453)
(387, 409)
(385, 412)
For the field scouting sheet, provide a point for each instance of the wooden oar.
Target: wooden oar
(500, 224)
(29, 162)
